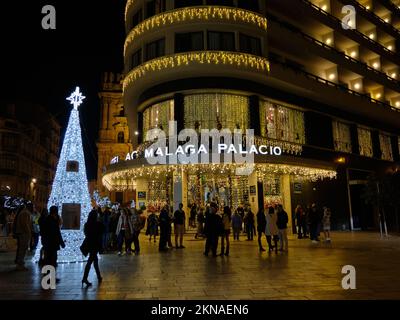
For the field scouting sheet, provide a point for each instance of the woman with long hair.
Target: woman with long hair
(93, 237)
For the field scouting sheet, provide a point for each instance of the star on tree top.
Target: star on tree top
(76, 98)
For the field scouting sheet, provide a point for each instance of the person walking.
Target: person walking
(281, 222)
(179, 224)
(193, 214)
(94, 231)
(299, 215)
(165, 224)
(138, 223)
(212, 229)
(22, 230)
(261, 225)
(236, 225)
(105, 219)
(249, 223)
(271, 230)
(200, 223)
(152, 226)
(53, 240)
(326, 224)
(124, 231)
(226, 224)
(314, 217)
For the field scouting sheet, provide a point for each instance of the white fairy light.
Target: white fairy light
(70, 185)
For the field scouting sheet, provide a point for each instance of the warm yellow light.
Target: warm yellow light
(390, 47)
(387, 20)
(378, 96)
(367, 7)
(397, 104)
(341, 160)
(324, 7)
(371, 36)
(375, 65)
(34, 180)
(193, 15)
(393, 75)
(357, 86)
(328, 41)
(353, 54)
(332, 76)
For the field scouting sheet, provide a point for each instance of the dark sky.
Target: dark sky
(44, 66)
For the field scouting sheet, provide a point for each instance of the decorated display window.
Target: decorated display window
(341, 136)
(386, 147)
(216, 110)
(158, 115)
(365, 142)
(272, 190)
(281, 123)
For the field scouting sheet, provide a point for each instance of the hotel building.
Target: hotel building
(323, 88)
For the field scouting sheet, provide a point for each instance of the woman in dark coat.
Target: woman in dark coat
(93, 244)
(51, 237)
(261, 225)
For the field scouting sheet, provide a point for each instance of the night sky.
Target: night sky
(44, 66)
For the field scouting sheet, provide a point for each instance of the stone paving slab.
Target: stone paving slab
(305, 272)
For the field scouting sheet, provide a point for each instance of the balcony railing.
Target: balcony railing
(373, 16)
(324, 45)
(276, 59)
(393, 55)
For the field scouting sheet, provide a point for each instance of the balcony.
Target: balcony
(355, 35)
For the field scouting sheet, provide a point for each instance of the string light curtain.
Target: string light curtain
(386, 147)
(216, 110)
(281, 123)
(341, 136)
(365, 142)
(158, 115)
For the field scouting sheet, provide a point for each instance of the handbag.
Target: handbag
(84, 247)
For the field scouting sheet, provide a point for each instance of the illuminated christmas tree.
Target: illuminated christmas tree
(70, 191)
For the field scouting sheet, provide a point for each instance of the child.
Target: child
(326, 224)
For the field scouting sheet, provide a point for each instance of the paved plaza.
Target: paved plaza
(305, 272)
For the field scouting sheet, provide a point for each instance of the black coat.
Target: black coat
(51, 234)
(261, 221)
(213, 226)
(93, 236)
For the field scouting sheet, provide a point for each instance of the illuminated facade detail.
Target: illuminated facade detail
(386, 147)
(281, 123)
(195, 14)
(236, 60)
(213, 110)
(341, 136)
(365, 142)
(158, 115)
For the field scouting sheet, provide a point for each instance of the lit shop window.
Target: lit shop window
(341, 136)
(365, 142)
(386, 147)
(281, 123)
(158, 115)
(216, 110)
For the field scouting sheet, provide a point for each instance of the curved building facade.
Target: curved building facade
(238, 65)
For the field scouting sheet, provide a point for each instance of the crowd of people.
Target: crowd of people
(119, 229)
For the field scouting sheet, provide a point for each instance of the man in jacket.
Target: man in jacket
(179, 224)
(23, 234)
(281, 222)
(212, 229)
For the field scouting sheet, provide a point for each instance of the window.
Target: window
(188, 3)
(8, 162)
(364, 142)
(189, 42)
(221, 41)
(121, 137)
(341, 136)
(216, 110)
(228, 3)
(155, 49)
(386, 147)
(137, 18)
(250, 45)
(281, 123)
(154, 7)
(251, 5)
(158, 115)
(136, 58)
